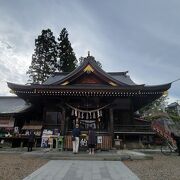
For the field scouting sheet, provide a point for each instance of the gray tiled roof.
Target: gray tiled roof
(120, 76)
(56, 77)
(174, 104)
(12, 104)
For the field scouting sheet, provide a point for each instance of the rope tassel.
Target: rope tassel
(94, 115)
(87, 117)
(90, 115)
(82, 115)
(75, 113)
(72, 113)
(78, 114)
(100, 113)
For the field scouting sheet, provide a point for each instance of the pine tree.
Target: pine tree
(44, 59)
(67, 59)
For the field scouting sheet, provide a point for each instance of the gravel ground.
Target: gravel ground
(160, 168)
(15, 166)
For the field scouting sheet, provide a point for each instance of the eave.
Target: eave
(60, 90)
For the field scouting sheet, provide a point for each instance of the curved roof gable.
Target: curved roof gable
(90, 68)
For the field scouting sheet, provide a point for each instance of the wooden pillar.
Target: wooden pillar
(44, 115)
(63, 131)
(132, 113)
(111, 125)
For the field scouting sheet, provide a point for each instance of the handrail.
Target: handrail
(133, 125)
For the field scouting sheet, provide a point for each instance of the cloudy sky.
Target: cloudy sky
(140, 36)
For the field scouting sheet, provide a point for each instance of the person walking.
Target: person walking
(75, 138)
(91, 140)
(31, 140)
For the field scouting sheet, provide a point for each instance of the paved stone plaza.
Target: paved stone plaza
(83, 170)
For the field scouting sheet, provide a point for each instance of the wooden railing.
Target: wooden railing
(132, 128)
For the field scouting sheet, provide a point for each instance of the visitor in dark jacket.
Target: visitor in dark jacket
(31, 140)
(91, 140)
(177, 139)
(75, 138)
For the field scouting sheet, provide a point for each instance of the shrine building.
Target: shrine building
(106, 101)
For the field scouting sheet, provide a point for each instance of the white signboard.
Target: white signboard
(99, 139)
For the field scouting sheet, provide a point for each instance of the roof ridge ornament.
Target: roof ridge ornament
(88, 53)
(88, 69)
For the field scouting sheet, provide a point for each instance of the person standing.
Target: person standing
(177, 139)
(91, 140)
(75, 138)
(31, 140)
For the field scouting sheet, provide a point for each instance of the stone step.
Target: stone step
(89, 158)
(97, 157)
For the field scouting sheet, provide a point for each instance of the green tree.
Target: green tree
(173, 113)
(155, 109)
(67, 59)
(44, 59)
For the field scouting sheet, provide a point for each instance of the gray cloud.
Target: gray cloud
(139, 36)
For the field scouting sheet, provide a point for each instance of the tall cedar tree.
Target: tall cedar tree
(44, 59)
(67, 59)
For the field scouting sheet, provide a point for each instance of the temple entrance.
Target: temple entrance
(95, 118)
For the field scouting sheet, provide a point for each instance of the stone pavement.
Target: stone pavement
(116, 155)
(83, 170)
(111, 155)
